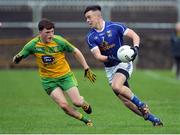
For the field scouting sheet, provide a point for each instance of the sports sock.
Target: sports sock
(152, 118)
(136, 101)
(83, 118)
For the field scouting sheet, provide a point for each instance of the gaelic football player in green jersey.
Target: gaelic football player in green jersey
(56, 75)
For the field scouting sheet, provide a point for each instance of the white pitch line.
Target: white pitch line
(162, 78)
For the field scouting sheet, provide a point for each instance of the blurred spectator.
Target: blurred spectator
(175, 48)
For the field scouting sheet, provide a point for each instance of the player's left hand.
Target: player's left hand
(90, 75)
(136, 50)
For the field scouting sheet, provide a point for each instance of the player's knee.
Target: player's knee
(116, 88)
(78, 102)
(118, 91)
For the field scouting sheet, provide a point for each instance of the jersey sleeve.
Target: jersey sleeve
(68, 46)
(64, 44)
(27, 50)
(90, 41)
(121, 28)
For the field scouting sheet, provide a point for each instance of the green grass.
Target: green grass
(26, 108)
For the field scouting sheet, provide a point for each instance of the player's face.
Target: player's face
(92, 18)
(47, 35)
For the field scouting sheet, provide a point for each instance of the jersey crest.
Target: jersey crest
(109, 33)
(105, 46)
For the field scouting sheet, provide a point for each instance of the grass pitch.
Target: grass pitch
(26, 108)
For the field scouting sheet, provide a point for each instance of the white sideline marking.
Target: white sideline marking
(162, 78)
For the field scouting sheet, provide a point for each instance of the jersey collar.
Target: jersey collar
(102, 27)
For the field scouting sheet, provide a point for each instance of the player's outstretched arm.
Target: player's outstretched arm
(26, 51)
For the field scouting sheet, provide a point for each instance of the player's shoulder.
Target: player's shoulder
(59, 39)
(33, 41)
(90, 32)
(115, 24)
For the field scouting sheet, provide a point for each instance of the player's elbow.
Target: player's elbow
(76, 52)
(99, 58)
(137, 37)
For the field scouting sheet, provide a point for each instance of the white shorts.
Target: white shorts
(110, 71)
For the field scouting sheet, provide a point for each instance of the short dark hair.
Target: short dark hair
(45, 24)
(93, 8)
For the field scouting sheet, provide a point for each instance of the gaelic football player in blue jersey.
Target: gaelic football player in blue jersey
(104, 39)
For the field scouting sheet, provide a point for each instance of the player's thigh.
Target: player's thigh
(74, 95)
(118, 80)
(58, 96)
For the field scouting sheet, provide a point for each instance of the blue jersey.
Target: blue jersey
(108, 40)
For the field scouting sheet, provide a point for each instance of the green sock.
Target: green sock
(84, 119)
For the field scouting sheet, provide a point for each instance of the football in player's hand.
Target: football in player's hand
(125, 53)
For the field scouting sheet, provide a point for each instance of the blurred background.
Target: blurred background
(153, 20)
(26, 108)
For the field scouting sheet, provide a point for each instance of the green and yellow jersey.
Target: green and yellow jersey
(50, 57)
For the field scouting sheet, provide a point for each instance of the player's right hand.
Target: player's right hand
(17, 59)
(90, 75)
(136, 50)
